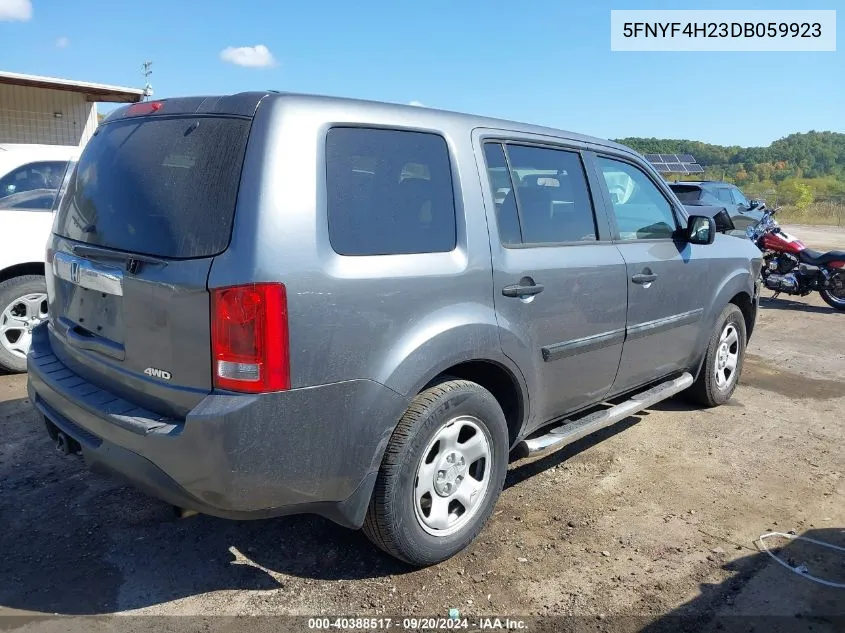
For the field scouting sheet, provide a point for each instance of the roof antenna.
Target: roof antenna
(147, 71)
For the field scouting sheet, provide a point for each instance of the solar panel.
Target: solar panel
(674, 163)
(663, 168)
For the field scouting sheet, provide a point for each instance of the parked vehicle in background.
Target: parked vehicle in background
(724, 223)
(790, 267)
(30, 176)
(743, 212)
(266, 304)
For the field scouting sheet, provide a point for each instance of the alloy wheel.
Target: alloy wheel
(17, 321)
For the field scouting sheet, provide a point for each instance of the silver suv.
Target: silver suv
(265, 304)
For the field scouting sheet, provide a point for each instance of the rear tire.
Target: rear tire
(441, 475)
(723, 360)
(835, 299)
(23, 303)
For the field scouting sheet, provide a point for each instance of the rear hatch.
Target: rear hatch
(148, 206)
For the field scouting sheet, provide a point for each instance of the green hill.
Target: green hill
(804, 173)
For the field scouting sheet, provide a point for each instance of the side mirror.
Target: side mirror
(701, 230)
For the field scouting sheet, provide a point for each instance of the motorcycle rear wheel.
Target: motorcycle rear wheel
(834, 294)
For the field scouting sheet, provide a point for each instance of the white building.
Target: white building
(50, 111)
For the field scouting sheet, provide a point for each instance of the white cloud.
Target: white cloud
(419, 104)
(63, 42)
(12, 10)
(251, 56)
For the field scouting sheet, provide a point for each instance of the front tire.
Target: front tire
(441, 475)
(723, 360)
(23, 305)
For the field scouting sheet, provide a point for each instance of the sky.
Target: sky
(547, 63)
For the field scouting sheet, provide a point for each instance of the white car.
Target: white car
(30, 177)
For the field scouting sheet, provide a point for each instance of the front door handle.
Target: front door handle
(643, 278)
(523, 289)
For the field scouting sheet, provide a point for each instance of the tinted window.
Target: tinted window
(389, 192)
(41, 175)
(738, 197)
(641, 210)
(38, 199)
(551, 195)
(687, 193)
(710, 197)
(724, 195)
(157, 186)
(502, 189)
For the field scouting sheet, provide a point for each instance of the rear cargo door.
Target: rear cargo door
(151, 202)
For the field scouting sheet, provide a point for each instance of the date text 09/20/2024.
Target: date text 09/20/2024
(453, 622)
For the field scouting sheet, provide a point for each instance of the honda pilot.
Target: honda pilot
(265, 304)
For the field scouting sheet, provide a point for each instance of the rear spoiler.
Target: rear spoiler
(242, 104)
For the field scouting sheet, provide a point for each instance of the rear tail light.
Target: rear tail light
(249, 338)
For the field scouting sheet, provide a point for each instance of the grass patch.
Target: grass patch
(818, 213)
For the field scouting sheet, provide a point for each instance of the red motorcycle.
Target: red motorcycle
(790, 267)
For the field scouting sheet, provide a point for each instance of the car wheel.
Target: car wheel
(441, 475)
(723, 360)
(23, 305)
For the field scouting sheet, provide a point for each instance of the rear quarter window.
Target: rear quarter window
(389, 192)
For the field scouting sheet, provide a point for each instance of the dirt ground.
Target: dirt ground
(656, 518)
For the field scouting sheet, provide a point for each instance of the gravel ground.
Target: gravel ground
(656, 518)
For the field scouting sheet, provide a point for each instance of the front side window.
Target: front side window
(724, 195)
(37, 200)
(709, 197)
(739, 199)
(641, 210)
(43, 175)
(389, 192)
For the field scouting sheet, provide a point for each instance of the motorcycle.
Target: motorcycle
(792, 268)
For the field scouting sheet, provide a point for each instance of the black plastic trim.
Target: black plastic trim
(579, 346)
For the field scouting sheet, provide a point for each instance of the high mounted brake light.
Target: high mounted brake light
(249, 338)
(145, 107)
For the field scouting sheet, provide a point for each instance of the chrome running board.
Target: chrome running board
(573, 430)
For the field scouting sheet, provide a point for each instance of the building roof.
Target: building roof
(92, 92)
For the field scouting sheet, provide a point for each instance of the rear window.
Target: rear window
(389, 192)
(157, 186)
(687, 193)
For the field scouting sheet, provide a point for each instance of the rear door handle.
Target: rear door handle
(643, 278)
(522, 290)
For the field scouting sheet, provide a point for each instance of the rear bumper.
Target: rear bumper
(314, 450)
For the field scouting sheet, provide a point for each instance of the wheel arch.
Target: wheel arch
(500, 381)
(19, 270)
(738, 289)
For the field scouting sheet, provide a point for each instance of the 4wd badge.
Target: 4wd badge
(157, 373)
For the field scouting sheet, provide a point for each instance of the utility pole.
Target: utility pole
(147, 70)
